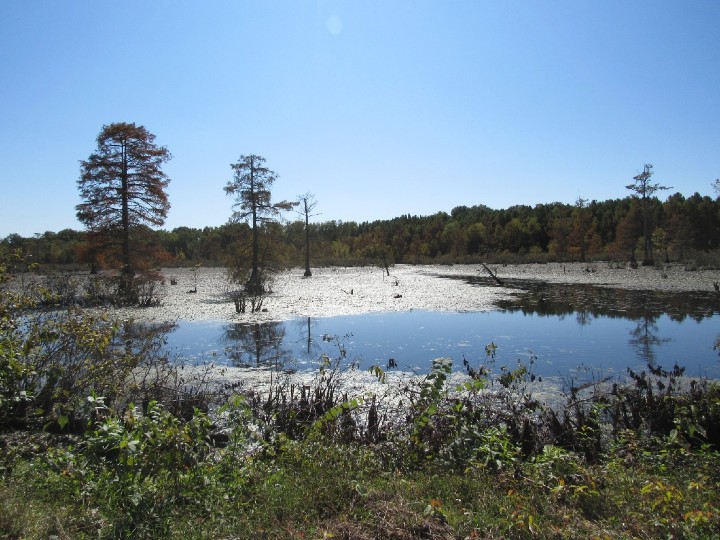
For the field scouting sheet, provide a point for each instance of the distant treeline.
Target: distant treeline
(681, 228)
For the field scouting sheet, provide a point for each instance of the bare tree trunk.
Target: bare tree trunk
(127, 269)
(308, 273)
(646, 232)
(127, 273)
(254, 285)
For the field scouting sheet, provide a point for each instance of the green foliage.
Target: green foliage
(466, 458)
(51, 360)
(138, 470)
(662, 404)
(12, 337)
(152, 474)
(319, 408)
(61, 357)
(431, 392)
(681, 227)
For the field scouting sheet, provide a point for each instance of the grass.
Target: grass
(317, 488)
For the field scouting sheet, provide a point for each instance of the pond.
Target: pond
(563, 329)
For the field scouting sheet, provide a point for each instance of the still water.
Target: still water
(563, 329)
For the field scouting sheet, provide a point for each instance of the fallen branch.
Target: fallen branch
(497, 279)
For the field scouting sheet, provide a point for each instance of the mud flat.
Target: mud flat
(356, 290)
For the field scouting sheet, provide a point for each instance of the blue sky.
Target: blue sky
(379, 108)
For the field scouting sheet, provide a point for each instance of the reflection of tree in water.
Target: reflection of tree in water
(256, 344)
(305, 336)
(541, 298)
(325, 346)
(144, 339)
(587, 301)
(309, 336)
(583, 317)
(645, 338)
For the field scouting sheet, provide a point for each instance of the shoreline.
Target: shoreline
(333, 291)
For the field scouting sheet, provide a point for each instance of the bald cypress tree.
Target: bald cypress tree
(644, 189)
(251, 186)
(122, 186)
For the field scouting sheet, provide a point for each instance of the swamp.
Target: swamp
(543, 401)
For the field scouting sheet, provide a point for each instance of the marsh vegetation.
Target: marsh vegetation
(102, 436)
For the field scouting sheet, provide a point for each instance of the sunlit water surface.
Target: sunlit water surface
(563, 330)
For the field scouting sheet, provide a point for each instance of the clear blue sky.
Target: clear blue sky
(379, 108)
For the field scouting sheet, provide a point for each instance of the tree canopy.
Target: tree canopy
(611, 230)
(122, 186)
(643, 188)
(250, 186)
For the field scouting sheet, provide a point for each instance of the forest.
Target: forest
(680, 228)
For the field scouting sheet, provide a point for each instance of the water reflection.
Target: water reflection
(645, 337)
(256, 344)
(277, 344)
(587, 302)
(545, 299)
(564, 326)
(583, 317)
(305, 333)
(144, 339)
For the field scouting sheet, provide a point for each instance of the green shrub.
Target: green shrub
(51, 360)
(140, 469)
